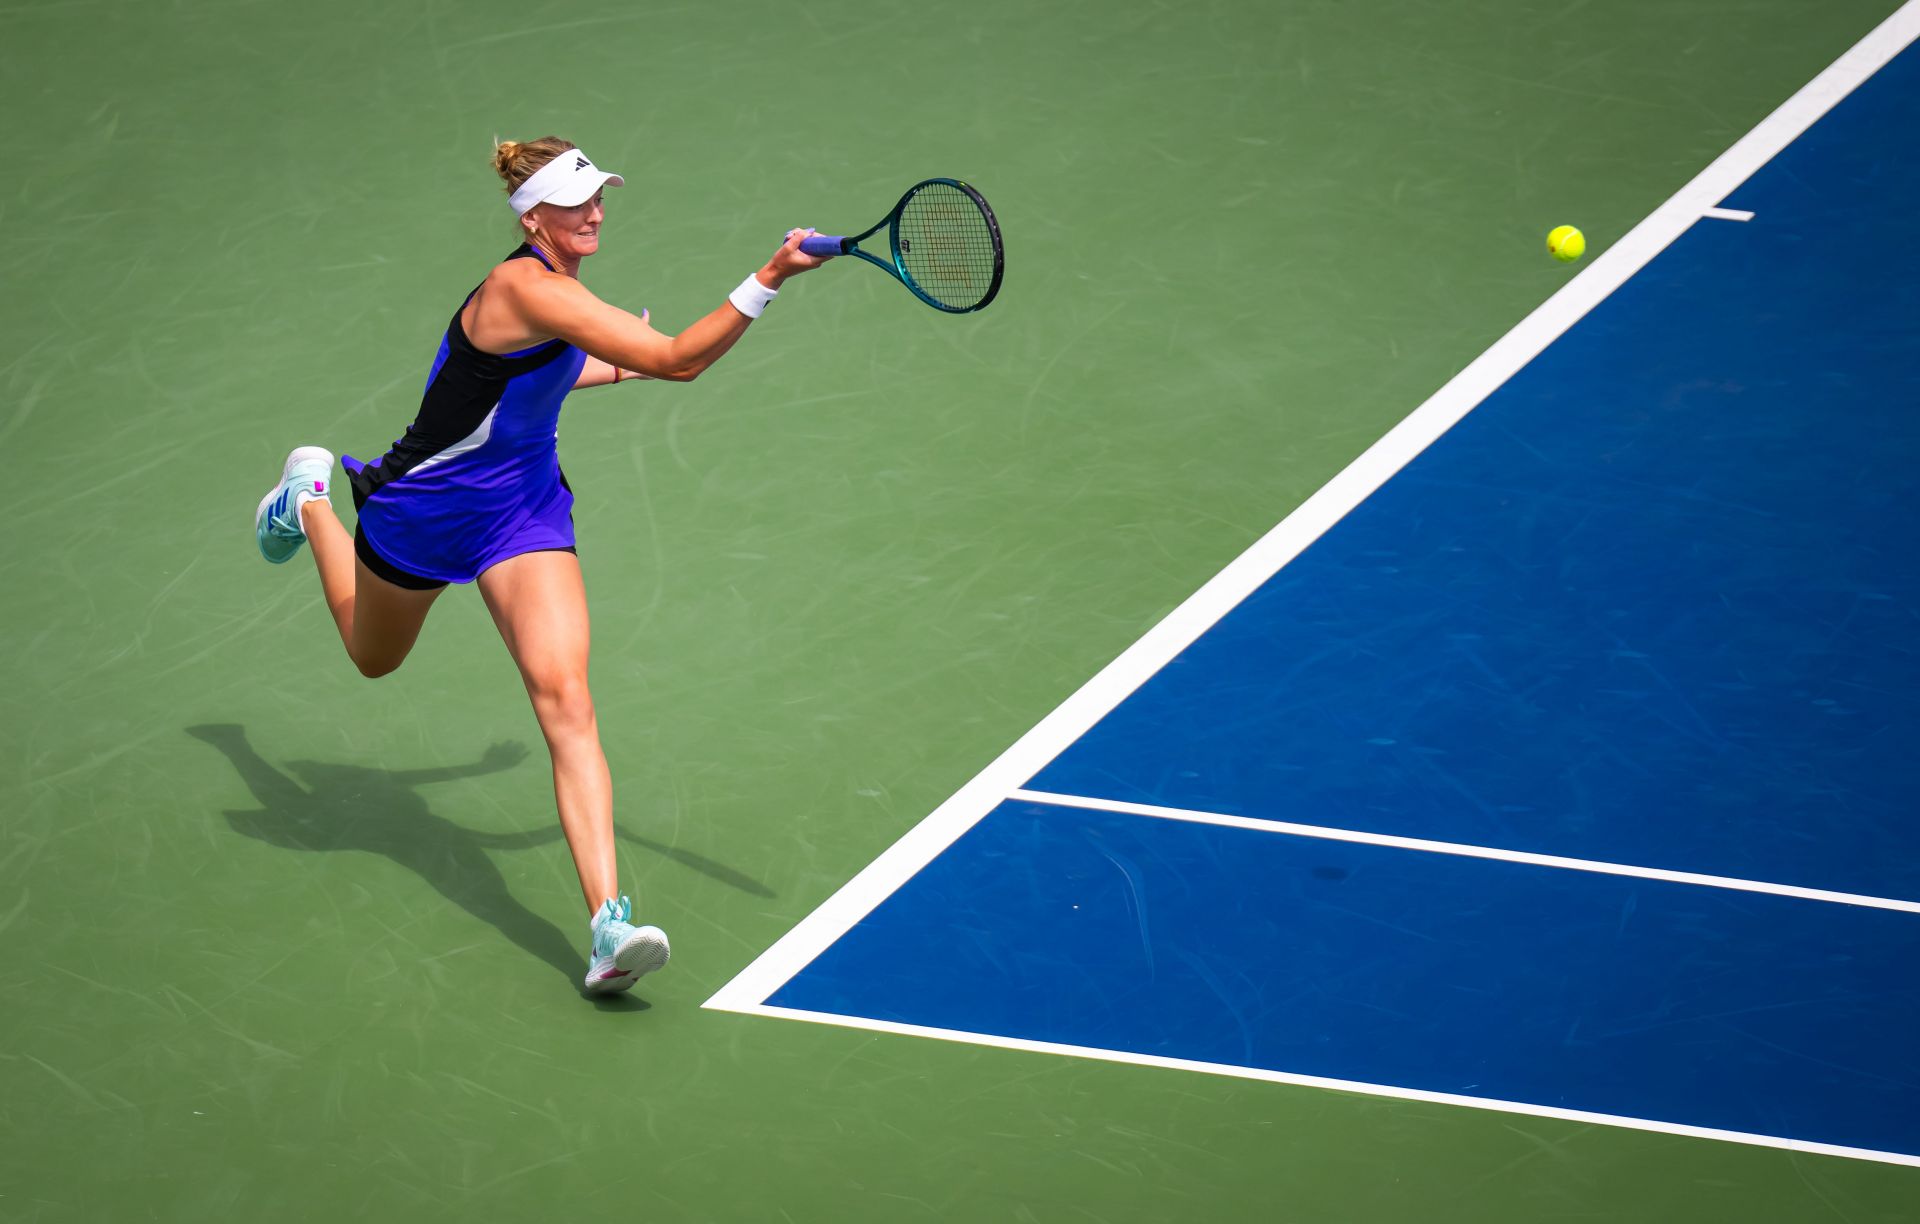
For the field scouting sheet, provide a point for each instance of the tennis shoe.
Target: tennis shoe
(622, 953)
(307, 474)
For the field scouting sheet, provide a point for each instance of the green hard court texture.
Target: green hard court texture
(279, 942)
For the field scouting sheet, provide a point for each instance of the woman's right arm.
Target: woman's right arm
(563, 307)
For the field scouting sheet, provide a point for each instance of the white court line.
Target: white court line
(1339, 1085)
(1728, 214)
(1095, 699)
(1462, 850)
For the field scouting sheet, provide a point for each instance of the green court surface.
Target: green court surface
(279, 942)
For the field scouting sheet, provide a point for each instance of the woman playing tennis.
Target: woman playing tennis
(474, 493)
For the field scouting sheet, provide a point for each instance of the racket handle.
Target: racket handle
(821, 245)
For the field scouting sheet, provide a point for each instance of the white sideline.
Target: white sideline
(750, 988)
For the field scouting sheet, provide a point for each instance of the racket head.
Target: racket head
(946, 245)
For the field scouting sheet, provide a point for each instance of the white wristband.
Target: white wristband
(752, 297)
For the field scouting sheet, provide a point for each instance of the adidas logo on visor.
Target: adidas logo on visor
(579, 163)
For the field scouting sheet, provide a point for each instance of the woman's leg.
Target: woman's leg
(539, 603)
(378, 621)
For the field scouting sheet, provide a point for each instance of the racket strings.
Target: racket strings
(946, 245)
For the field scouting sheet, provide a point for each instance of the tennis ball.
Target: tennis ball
(1566, 243)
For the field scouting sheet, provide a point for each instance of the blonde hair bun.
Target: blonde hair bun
(503, 152)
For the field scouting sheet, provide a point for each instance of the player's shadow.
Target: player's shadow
(378, 811)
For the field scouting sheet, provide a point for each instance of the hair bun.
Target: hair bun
(503, 154)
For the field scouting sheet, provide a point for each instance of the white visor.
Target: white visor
(567, 180)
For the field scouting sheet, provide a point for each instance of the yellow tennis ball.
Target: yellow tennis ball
(1566, 243)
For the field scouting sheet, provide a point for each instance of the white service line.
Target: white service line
(1339, 1085)
(1728, 214)
(1094, 700)
(1462, 850)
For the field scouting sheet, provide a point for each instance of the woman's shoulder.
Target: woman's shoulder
(517, 283)
(516, 271)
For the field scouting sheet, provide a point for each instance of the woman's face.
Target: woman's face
(570, 233)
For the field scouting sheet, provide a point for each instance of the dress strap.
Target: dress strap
(527, 250)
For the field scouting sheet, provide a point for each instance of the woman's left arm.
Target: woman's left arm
(598, 373)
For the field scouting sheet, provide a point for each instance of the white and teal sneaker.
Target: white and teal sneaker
(308, 473)
(622, 953)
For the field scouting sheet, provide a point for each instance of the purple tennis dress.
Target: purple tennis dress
(477, 478)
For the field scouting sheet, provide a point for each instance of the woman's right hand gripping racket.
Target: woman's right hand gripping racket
(943, 241)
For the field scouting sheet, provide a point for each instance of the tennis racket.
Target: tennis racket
(943, 244)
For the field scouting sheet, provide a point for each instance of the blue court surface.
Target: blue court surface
(1652, 606)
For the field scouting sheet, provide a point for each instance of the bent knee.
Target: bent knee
(563, 703)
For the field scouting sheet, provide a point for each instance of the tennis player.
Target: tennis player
(474, 493)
